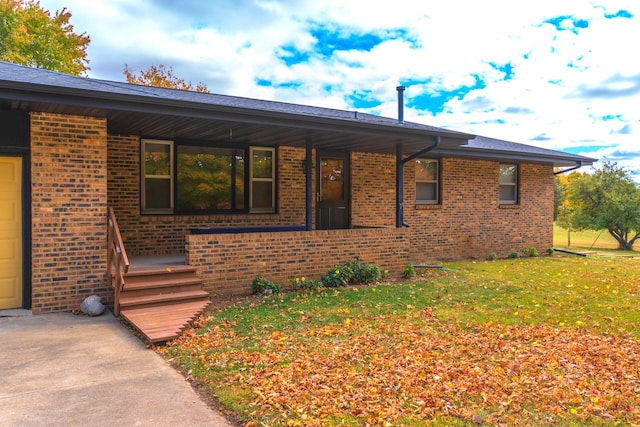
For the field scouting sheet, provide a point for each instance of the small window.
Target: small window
(427, 186)
(508, 184)
(262, 191)
(157, 176)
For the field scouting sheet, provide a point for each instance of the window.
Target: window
(205, 179)
(157, 176)
(427, 174)
(263, 195)
(209, 179)
(508, 184)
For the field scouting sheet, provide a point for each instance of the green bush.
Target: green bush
(260, 285)
(303, 283)
(550, 251)
(363, 272)
(339, 275)
(514, 254)
(409, 271)
(533, 252)
(492, 256)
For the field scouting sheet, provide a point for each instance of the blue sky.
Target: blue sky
(559, 74)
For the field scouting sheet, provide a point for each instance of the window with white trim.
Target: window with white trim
(508, 184)
(263, 172)
(427, 181)
(157, 176)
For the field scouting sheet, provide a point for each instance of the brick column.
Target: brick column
(69, 205)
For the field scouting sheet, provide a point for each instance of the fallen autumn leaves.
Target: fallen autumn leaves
(406, 367)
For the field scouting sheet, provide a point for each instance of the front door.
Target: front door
(332, 198)
(10, 232)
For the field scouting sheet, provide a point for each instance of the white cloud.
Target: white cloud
(563, 86)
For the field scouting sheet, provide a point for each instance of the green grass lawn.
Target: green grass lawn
(529, 341)
(584, 240)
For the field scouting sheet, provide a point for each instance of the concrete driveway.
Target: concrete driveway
(67, 370)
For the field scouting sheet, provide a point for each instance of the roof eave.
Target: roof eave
(56, 95)
(504, 156)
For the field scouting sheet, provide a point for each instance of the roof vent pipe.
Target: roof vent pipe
(400, 90)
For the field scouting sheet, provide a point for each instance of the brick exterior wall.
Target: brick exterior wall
(69, 205)
(373, 190)
(227, 263)
(146, 235)
(77, 170)
(470, 222)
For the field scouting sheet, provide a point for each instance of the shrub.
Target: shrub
(409, 271)
(339, 275)
(260, 285)
(514, 254)
(363, 272)
(304, 283)
(352, 272)
(533, 252)
(550, 251)
(492, 256)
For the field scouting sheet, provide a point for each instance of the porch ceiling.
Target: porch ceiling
(244, 128)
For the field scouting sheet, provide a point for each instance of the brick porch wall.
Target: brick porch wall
(228, 263)
(69, 205)
(165, 234)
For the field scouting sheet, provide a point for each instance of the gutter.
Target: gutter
(578, 166)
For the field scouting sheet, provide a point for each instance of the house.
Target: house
(239, 186)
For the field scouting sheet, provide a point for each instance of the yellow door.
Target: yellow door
(10, 232)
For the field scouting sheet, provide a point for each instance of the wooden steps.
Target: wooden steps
(161, 302)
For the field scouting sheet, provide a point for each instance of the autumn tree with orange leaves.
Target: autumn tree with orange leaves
(32, 36)
(160, 76)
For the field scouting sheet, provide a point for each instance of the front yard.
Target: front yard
(532, 341)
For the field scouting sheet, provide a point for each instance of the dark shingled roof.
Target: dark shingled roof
(178, 114)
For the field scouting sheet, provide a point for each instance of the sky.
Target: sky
(557, 74)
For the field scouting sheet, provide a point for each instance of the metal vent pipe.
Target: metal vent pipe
(400, 90)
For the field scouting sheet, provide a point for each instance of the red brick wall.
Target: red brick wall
(165, 234)
(470, 222)
(373, 190)
(228, 263)
(69, 205)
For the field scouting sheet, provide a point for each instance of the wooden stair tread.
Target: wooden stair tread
(128, 301)
(143, 271)
(162, 282)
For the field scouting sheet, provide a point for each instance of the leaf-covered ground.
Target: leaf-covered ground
(531, 346)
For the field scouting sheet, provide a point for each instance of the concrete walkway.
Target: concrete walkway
(68, 370)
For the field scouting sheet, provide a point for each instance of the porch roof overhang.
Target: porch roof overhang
(181, 115)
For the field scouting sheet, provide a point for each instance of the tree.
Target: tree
(161, 77)
(30, 36)
(606, 199)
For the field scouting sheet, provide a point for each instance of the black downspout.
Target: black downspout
(308, 183)
(400, 162)
(399, 187)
